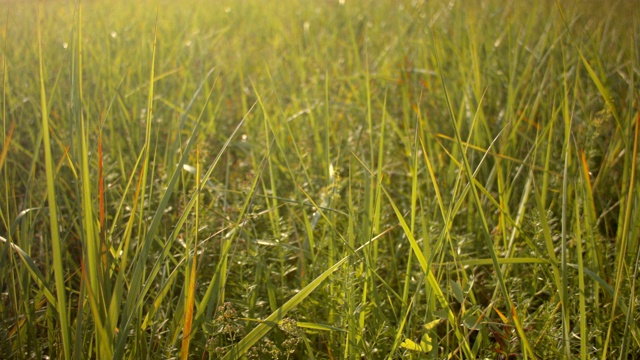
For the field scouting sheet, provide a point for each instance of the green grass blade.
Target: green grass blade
(56, 245)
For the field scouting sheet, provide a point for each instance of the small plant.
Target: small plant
(293, 335)
(224, 331)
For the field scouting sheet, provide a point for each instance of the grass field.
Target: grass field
(319, 179)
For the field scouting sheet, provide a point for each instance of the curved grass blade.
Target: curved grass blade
(35, 273)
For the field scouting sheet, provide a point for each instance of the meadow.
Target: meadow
(319, 179)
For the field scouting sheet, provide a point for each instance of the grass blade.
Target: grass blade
(56, 245)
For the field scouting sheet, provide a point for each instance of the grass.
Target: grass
(319, 180)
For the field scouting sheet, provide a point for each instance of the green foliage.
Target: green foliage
(305, 179)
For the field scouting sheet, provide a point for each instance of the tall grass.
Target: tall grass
(339, 179)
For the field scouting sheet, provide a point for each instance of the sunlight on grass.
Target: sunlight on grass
(319, 179)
